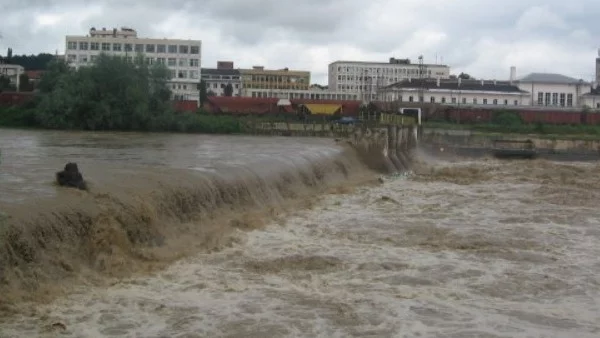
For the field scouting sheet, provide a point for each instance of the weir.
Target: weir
(386, 148)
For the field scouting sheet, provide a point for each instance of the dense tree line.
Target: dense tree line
(29, 62)
(111, 94)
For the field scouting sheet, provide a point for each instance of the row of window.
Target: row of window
(129, 47)
(370, 79)
(275, 78)
(221, 85)
(312, 96)
(171, 62)
(220, 77)
(554, 99)
(463, 100)
(388, 70)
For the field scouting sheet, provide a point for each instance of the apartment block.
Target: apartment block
(182, 57)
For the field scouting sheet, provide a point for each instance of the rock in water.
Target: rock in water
(71, 177)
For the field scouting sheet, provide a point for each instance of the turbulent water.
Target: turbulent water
(457, 249)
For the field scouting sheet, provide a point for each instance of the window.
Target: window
(83, 58)
(562, 99)
(495, 101)
(183, 49)
(443, 100)
(464, 100)
(547, 99)
(72, 45)
(105, 46)
(172, 72)
(183, 62)
(93, 58)
(139, 48)
(569, 100)
(516, 103)
(410, 99)
(71, 57)
(194, 49)
(475, 101)
(506, 102)
(149, 61)
(194, 74)
(453, 100)
(83, 45)
(128, 47)
(540, 98)
(194, 62)
(172, 62)
(117, 47)
(432, 99)
(173, 49)
(94, 46)
(161, 48)
(182, 74)
(484, 101)
(150, 48)
(161, 61)
(554, 99)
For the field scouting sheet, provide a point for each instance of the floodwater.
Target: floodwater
(457, 249)
(29, 159)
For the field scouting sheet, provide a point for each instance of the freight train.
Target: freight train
(528, 116)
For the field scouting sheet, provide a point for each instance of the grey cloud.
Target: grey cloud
(478, 34)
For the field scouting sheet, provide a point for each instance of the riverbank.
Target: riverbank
(474, 144)
(540, 131)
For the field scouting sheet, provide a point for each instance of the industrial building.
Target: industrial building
(182, 57)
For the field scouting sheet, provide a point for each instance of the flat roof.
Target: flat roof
(388, 63)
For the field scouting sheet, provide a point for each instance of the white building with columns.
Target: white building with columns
(456, 92)
(366, 78)
(554, 90)
(12, 72)
(182, 57)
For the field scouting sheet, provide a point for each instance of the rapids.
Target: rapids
(456, 249)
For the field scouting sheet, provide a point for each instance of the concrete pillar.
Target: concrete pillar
(393, 142)
(401, 152)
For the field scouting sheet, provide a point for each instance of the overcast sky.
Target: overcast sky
(480, 37)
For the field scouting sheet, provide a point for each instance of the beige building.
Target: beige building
(260, 78)
(366, 78)
(290, 94)
(182, 57)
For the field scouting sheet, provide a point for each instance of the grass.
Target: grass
(546, 131)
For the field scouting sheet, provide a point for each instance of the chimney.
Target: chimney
(438, 81)
(513, 74)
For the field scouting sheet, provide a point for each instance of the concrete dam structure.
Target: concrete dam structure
(388, 149)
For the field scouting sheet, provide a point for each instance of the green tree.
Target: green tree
(112, 94)
(33, 62)
(25, 84)
(464, 76)
(202, 90)
(228, 90)
(5, 84)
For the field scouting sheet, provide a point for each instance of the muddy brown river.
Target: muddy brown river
(458, 248)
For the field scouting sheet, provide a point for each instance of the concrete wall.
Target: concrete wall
(441, 138)
(386, 149)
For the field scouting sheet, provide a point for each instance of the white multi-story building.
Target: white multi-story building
(365, 78)
(182, 57)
